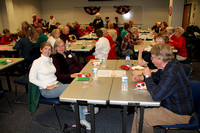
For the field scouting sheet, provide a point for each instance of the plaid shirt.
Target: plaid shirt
(172, 88)
(128, 40)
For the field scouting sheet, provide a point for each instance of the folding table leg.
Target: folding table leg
(78, 129)
(92, 118)
(141, 119)
(124, 119)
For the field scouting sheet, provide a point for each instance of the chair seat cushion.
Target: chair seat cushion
(23, 80)
(49, 100)
(193, 124)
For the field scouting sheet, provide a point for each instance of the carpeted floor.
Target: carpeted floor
(108, 119)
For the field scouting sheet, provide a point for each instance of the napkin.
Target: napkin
(82, 78)
(3, 62)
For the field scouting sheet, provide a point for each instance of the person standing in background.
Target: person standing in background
(98, 22)
(52, 23)
(36, 20)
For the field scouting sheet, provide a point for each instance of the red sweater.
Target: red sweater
(180, 45)
(7, 40)
(110, 40)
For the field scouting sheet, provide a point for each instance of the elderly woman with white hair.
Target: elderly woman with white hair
(178, 41)
(98, 22)
(170, 31)
(131, 38)
(55, 35)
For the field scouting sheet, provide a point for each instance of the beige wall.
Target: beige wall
(64, 11)
(13, 12)
(152, 11)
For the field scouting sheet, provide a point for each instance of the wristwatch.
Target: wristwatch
(147, 76)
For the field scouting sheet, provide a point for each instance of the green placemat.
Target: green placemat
(3, 62)
(82, 78)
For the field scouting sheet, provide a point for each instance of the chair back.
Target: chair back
(112, 53)
(195, 86)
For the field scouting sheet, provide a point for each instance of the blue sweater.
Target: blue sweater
(171, 87)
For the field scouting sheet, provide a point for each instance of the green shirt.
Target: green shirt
(123, 33)
(42, 38)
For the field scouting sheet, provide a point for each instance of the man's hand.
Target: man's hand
(147, 71)
(137, 78)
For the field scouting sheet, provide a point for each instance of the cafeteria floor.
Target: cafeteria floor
(108, 119)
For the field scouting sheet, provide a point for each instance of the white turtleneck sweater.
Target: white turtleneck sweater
(42, 72)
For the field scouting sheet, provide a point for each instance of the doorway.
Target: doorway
(186, 16)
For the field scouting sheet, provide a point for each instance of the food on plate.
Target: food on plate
(84, 75)
(97, 62)
(141, 86)
(137, 68)
(9, 60)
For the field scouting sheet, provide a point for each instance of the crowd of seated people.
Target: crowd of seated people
(64, 67)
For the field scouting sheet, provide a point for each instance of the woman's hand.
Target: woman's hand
(52, 86)
(74, 75)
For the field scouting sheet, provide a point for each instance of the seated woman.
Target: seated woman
(24, 45)
(67, 67)
(42, 74)
(155, 28)
(125, 29)
(29, 31)
(178, 41)
(163, 27)
(90, 28)
(112, 32)
(146, 60)
(7, 38)
(82, 31)
(55, 35)
(41, 37)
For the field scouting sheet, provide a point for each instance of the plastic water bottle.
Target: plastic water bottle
(83, 43)
(95, 76)
(67, 46)
(124, 86)
(103, 60)
(127, 59)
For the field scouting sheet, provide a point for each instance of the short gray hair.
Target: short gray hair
(98, 15)
(170, 29)
(180, 30)
(163, 51)
(104, 30)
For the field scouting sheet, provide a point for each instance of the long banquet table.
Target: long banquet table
(77, 47)
(4, 68)
(106, 90)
